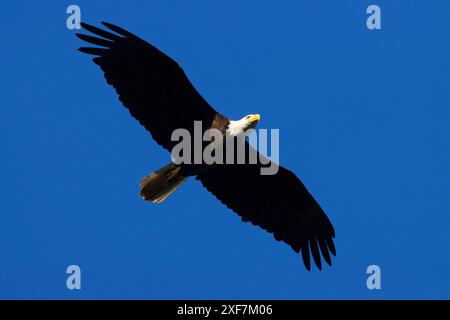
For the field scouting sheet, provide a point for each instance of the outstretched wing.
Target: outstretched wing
(278, 203)
(151, 85)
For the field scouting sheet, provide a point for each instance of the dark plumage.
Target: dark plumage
(159, 95)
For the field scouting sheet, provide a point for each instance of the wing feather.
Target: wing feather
(277, 203)
(151, 85)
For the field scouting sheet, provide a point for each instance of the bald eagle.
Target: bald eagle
(157, 92)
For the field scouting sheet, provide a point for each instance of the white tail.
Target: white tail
(157, 186)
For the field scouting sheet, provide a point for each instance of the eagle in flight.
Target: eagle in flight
(157, 92)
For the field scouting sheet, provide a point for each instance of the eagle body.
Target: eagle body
(219, 123)
(157, 93)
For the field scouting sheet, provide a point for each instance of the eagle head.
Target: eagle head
(242, 126)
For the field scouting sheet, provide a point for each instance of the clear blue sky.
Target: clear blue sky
(364, 119)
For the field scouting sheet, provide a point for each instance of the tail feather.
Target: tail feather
(157, 186)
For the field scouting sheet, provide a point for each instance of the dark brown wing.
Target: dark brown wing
(278, 203)
(151, 85)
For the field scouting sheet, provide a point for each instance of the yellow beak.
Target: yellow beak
(255, 118)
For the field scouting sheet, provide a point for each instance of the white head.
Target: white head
(240, 127)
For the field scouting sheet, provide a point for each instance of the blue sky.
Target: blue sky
(364, 121)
